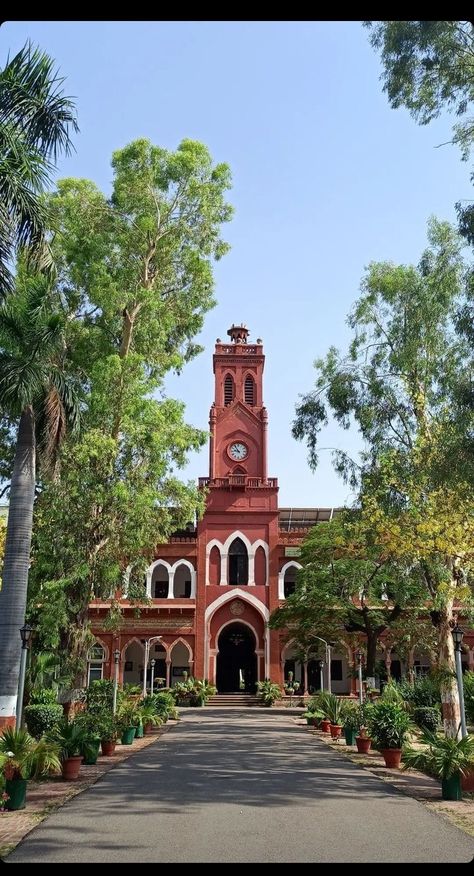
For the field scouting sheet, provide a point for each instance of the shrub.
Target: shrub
(425, 691)
(427, 718)
(41, 718)
(43, 696)
(469, 695)
(269, 691)
(443, 756)
(100, 695)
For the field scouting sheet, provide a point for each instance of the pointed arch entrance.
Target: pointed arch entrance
(236, 668)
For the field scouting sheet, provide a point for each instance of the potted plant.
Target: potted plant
(70, 737)
(389, 725)
(334, 712)
(363, 740)
(323, 700)
(88, 722)
(108, 732)
(128, 718)
(21, 758)
(444, 757)
(149, 717)
(351, 721)
(268, 691)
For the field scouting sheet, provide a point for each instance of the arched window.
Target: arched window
(249, 390)
(238, 563)
(290, 581)
(228, 390)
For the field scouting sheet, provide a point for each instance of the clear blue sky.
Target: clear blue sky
(326, 179)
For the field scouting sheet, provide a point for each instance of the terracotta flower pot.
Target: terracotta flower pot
(325, 726)
(363, 744)
(392, 757)
(467, 782)
(336, 730)
(71, 767)
(148, 729)
(108, 747)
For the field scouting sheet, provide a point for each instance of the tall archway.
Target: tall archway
(238, 563)
(236, 659)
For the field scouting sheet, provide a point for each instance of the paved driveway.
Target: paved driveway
(229, 785)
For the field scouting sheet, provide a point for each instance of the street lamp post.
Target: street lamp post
(147, 643)
(458, 635)
(359, 668)
(25, 632)
(116, 661)
(152, 664)
(321, 674)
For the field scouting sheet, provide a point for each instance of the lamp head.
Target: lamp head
(458, 635)
(26, 632)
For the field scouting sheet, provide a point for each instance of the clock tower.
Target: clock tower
(238, 418)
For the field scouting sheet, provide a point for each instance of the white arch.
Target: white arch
(263, 544)
(149, 575)
(232, 537)
(281, 577)
(193, 577)
(237, 593)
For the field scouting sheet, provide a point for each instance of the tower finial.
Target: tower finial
(238, 333)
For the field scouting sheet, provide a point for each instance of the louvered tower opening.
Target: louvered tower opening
(228, 390)
(249, 391)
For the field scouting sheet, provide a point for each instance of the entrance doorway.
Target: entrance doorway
(236, 660)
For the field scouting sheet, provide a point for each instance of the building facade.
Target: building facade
(212, 588)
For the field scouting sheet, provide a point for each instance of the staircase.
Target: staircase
(233, 699)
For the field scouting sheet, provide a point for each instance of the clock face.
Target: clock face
(238, 450)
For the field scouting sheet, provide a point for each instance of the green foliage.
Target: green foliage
(69, 736)
(100, 696)
(22, 757)
(43, 696)
(424, 692)
(343, 585)
(35, 123)
(468, 680)
(268, 691)
(41, 718)
(389, 724)
(427, 718)
(351, 715)
(428, 68)
(334, 709)
(442, 757)
(135, 277)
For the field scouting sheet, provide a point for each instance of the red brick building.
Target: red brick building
(213, 588)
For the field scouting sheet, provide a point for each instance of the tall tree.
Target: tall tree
(136, 280)
(399, 383)
(348, 584)
(35, 124)
(34, 389)
(428, 67)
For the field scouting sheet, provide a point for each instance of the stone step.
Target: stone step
(233, 700)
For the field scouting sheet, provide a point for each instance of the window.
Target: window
(228, 390)
(238, 563)
(249, 390)
(336, 670)
(96, 663)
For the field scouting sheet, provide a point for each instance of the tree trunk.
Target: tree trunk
(449, 690)
(372, 637)
(15, 565)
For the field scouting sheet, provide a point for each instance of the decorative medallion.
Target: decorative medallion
(237, 607)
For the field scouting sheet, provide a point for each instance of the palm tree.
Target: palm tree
(35, 120)
(35, 388)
